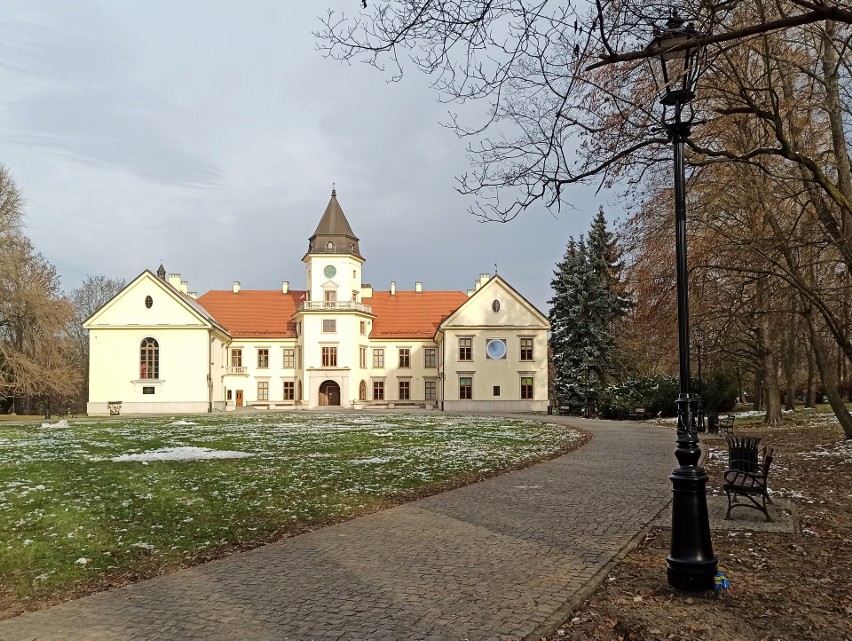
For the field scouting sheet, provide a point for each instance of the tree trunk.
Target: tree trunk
(790, 366)
(827, 375)
(813, 379)
(768, 361)
(757, 389)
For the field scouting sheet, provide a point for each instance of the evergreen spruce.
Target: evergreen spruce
(587, 302)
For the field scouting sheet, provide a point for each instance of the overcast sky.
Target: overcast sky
(207, 135)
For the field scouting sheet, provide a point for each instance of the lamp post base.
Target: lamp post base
(691, 564)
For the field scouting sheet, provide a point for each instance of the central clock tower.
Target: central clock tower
(333, 324)
(333, 262)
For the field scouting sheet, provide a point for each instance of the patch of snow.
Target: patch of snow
(180, 454)
(82, 561)
(59, 425)
(375, 460)
(182, 422)
(144, 546)
(382, 433)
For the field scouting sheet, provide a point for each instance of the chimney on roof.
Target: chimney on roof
(174, 281)
(193, 295)
(483, 278)
(418, 287)
(366, 291)
(236, 288)
(184, 286)
(393, 288)
(470, 293)
(285, 287)
(476, 285)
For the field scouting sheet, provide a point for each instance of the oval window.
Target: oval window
(148, 302)
(495, 306)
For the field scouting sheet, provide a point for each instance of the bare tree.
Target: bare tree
(35, 364)
(569, 94)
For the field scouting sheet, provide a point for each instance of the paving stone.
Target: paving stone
(494, 560)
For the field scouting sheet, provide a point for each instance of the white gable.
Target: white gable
(128, 308)
(512, 310)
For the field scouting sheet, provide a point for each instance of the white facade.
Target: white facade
(155, 349)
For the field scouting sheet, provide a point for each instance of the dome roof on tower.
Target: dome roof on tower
(333, 234)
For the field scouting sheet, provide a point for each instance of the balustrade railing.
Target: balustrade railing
(337, 306)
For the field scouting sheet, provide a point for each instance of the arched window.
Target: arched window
(330, 246)
(362, 391)
(149, 359)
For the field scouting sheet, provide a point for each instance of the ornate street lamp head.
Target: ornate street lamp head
(677, 69)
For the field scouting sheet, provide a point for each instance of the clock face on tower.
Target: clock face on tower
(496, 348)
(329, 271)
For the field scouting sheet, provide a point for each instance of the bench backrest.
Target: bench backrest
(767, 461)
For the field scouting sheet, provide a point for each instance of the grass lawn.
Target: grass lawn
(92, 504)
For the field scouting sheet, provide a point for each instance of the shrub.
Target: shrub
(657, 394)
(719, 391)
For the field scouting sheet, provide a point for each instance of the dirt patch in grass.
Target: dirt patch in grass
(789, 587)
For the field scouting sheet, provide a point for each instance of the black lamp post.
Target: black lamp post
(699, 343)
(691, 562)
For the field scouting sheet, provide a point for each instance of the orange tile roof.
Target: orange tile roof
(411, 314)
(254, 313)
(268, 313)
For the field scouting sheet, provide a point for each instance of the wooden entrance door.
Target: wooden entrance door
(329, 393)
(239, 398)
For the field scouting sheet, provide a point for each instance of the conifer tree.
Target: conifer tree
(587, 302)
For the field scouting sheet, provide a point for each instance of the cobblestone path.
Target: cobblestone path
(497, 560)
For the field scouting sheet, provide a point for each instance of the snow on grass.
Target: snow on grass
(841, 449)
(69, 494)
(180, 454)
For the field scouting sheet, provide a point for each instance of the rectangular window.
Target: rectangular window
(229, 396)
(263, 358)
(496, 390)
(289, 390)
(237, 357)
(465, 349)
(329, 326)
(378, 390)
(363, 328)
(354, 297)
(299, 356)
(465, 387)
(404, 390)
(404, 357)
(429, 353)
(330, 296)
(329, 357)
(378, 358)
(526, 349)
(289, 358)
(362, 357)
(526, 387)
(147, 390)
(263, 390)
(431, 390)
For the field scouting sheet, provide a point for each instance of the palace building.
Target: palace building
(156, 347)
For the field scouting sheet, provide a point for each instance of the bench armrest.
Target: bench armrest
(737, 479)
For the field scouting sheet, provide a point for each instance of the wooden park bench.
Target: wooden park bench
(639, 414)
(726, 425)
(746, 476)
